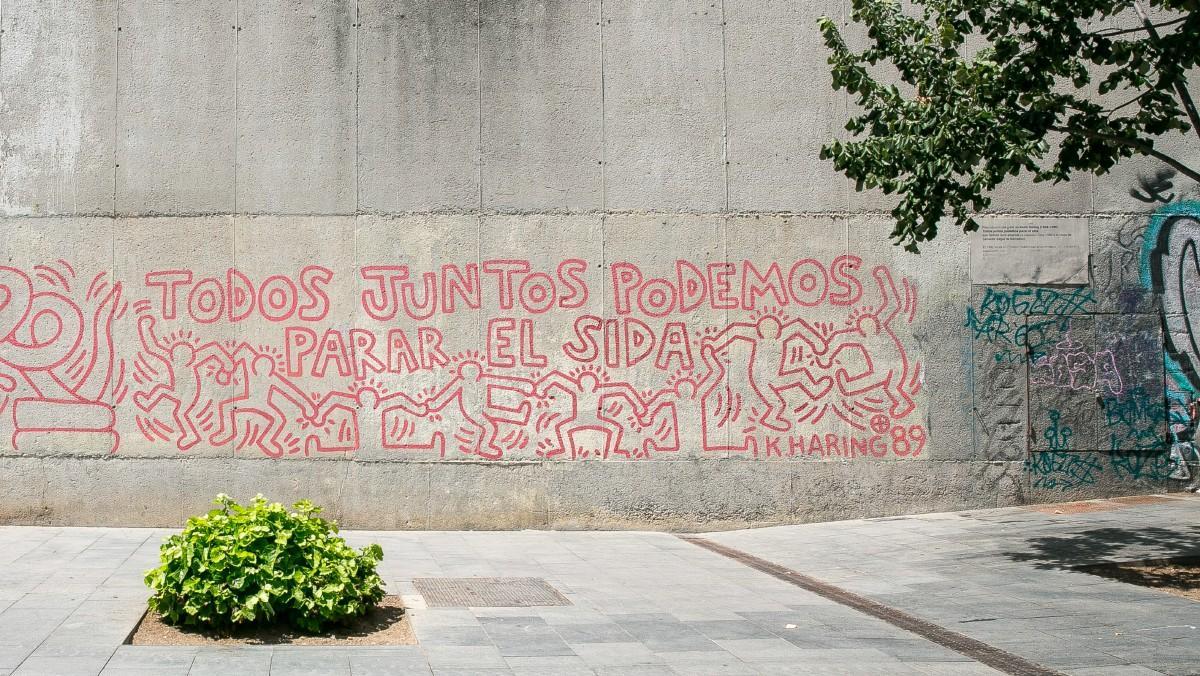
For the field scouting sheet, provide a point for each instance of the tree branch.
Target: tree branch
(1184, 97)
(1140, 146)
(1126, 31)
(1132, 101)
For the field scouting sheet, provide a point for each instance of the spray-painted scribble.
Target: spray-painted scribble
(1062, 470)
(1001, 319)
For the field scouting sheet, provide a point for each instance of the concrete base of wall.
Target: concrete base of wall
(699, 495)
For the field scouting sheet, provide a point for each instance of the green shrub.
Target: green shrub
(240, 565)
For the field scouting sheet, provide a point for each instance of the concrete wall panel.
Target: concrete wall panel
(676, 496)
(418, 105)
(937, 344)
(782, 108)
(664, 106)
(175, 107)
(58, 78)
(295, 107)
(542, 134)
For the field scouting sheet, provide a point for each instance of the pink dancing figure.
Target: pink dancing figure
(681, 405)
(588, 396)
(774, 349)
(182, 362)
(262, 385)
(887, 366)
(370, 410)
(473, 388)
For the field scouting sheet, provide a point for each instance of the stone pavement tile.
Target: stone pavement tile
(616, 604)
(472, 672)
(16, 622)
(642, 617)
(11, 656)
(669, 636)
(60, 666)
(167, 658)
(636, 670)
(834, 669)
(762, 649)
(549, 666)
(576, 614)
(823, 639)
(110, 670)
(909, 648)
(246, 660)
(528, 636)
(444, 617)
(607, 632)
(705, 662)
(502, 612)
(615, 654)
(452, 635)
(309, 661)
(73, 644)
(730, 629)
(51, 599)
(1163, 652)
(953, 669)
(776, 621)
(405, 661)
(1123, 670)
(706, 613)
(464, 657)
(725, 668)
(843, 656)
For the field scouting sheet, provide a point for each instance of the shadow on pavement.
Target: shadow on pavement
(1101, 545)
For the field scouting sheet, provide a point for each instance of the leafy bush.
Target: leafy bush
(240, 565)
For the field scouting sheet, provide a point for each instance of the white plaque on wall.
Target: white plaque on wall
(1025, 250)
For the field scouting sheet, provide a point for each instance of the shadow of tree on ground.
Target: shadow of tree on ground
(1176, 575)
(1108, 545)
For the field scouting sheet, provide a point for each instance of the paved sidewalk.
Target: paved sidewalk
(651, 603)
(1005, 577)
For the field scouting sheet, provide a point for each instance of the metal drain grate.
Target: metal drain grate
(488, 592)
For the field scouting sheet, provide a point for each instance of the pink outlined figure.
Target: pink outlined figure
(887, 366)
(588, 411)
(482, 411)
(262, 386)
(369, 409)
(182, 363)
(775, 349)
(683, 413)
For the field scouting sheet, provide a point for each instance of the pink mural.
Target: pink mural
(778, 360)
(58, 371)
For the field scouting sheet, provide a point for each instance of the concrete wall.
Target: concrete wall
(521, 264)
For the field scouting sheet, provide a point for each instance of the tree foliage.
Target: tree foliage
(991, 86)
